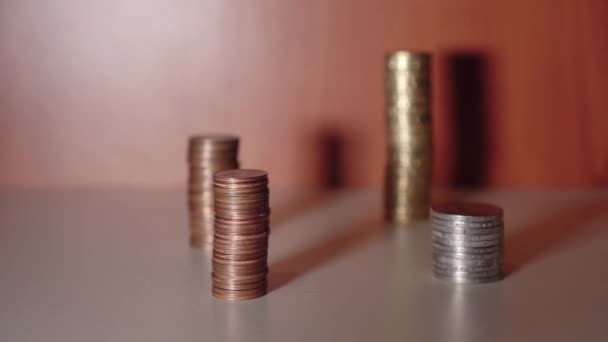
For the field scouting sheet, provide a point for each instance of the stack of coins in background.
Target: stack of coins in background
(240, 244)
(408, 114)
(468, 241)
(207, 154)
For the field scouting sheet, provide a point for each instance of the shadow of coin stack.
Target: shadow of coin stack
(409, 157)
(207, 154)
(240, 243)
(468, 241)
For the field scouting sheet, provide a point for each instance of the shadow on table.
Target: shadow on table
(295, 205)
(554, 232)
(330, 143)
(294, 266)
(467, 84)
(331, 158)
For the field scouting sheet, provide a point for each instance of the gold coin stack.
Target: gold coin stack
(240, 243)
(207, 154)
(408, 115)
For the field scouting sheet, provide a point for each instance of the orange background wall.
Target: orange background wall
(102, 93)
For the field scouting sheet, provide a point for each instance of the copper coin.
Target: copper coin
(248, 231)
(239, 249)
(236, 224)
(241, 206)
(253, 237)
(238, 287)
(213, 138)
(246, 254)
(239, 257)
(241, 227)
(241, 264)
(219, 192)
(242, 252)
(240, 245)
(239, 232)
(238, 295)
(227, 271)
(241, 203)
(243, 222)
(229, 248)
(238, 280)
(232, 189)
(229, 194)
(243, 175)
(240, 188)
(247, 198)
(238, 192)
(220, 178)
(238, 271)
(241, 239)
(250, 262)
(239, 216)
(229, 253)
(228, 212)
(222, 241)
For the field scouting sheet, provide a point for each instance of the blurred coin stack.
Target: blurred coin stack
(408, 115)
(240, 243)
(468, 242)
(207, 154)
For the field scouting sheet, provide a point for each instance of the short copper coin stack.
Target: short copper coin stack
(240, 243)
(207, 154)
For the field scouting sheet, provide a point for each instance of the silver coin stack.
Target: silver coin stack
(468, 242)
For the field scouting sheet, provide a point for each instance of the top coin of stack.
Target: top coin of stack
(408, 118)
(468, 242)
(240, 244)
(207, 154)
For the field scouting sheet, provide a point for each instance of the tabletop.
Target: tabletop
(115, 265)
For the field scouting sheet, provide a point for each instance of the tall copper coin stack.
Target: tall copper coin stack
(240, 244)
(408, 117)
(207, 154)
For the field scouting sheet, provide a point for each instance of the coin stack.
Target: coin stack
(240, 243)
(408, 115)
(468, 242)
(207, 154)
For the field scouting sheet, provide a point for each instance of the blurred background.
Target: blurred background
(105, 93)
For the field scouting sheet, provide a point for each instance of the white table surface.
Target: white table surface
(116, 266)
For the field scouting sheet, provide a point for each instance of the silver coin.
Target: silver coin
(465, 280)
(468, 256)
(460, 243)
(466, 237)
(468, 274)
(479, 278)
(467, 211)
(468, 223)
(467, 250)
(466, 268)
(467, 262)
(468, 231)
